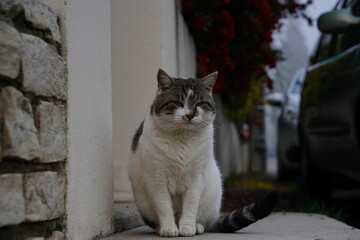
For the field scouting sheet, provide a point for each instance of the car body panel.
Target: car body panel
(330, 102)
(329, 106)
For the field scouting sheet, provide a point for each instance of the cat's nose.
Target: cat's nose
(190, 116)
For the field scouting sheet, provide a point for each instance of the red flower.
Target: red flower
(199, 22)
(226, 18)
(225, 1)
(220, 84)
(233, 37)
(228, 63)
(268, 37)
(202, 58)
(188, 7)
(227, 33)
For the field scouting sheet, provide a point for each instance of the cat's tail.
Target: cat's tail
(243, 217)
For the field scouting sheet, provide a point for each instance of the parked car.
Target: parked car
(329, 128)
(288, 157)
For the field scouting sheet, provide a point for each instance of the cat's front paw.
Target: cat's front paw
(199, 229)
(168, 231)
(187, 230)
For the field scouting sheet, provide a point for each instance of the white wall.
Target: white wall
(143, 40)
(90, 177)
(136, 57)
(186, 54)
(168, 29)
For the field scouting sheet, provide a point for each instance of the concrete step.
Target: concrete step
(286, 226)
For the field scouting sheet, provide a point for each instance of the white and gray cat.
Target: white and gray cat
(175, 179)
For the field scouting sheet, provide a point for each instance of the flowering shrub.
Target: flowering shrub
(233, 37)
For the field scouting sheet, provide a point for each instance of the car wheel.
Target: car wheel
(312, 179)
(306, 173)
(282, 172)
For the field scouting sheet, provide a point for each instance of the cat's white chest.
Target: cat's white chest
(178, 148)
(179, 159)
(179, 152)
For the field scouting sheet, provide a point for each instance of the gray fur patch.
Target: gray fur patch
(247, 213)
(169, 100)
(136, 138)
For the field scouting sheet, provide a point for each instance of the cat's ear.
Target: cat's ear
(164, 80)
(209, 81)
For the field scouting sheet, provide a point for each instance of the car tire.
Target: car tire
(282, 172)
(306, 172)
(287, 173)
(312, 179)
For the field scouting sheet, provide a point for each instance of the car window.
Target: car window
(339, 4)
(345, 3)
(322, 51)
(323, 48)
(356, 8)
(331, 44)
(345, 40)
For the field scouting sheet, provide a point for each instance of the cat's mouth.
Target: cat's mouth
(188, 124)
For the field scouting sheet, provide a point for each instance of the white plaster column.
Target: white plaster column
(90, 168)
(136, 56)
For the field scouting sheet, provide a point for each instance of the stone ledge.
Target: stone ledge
(126, 216)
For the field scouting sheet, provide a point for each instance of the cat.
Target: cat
(175, 179)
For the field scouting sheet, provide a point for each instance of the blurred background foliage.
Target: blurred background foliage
(234, 38)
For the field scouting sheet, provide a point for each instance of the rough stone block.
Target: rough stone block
(5, 5)
(43, 69)
(50, 120)
(37, 13)
(56, 235)
(19, 136)
(42, 16)
(12, 203)
(10, 46)
(44, 196)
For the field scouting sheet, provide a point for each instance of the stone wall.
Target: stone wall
(33, 103)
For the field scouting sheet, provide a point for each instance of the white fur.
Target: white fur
(187, 108)
(174, 175)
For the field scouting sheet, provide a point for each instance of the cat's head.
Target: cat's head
(184, 103)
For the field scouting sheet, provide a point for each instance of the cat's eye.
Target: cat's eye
(177, 103)
(200, 104)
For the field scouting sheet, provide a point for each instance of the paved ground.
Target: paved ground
(343, 205)
(289, 226)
